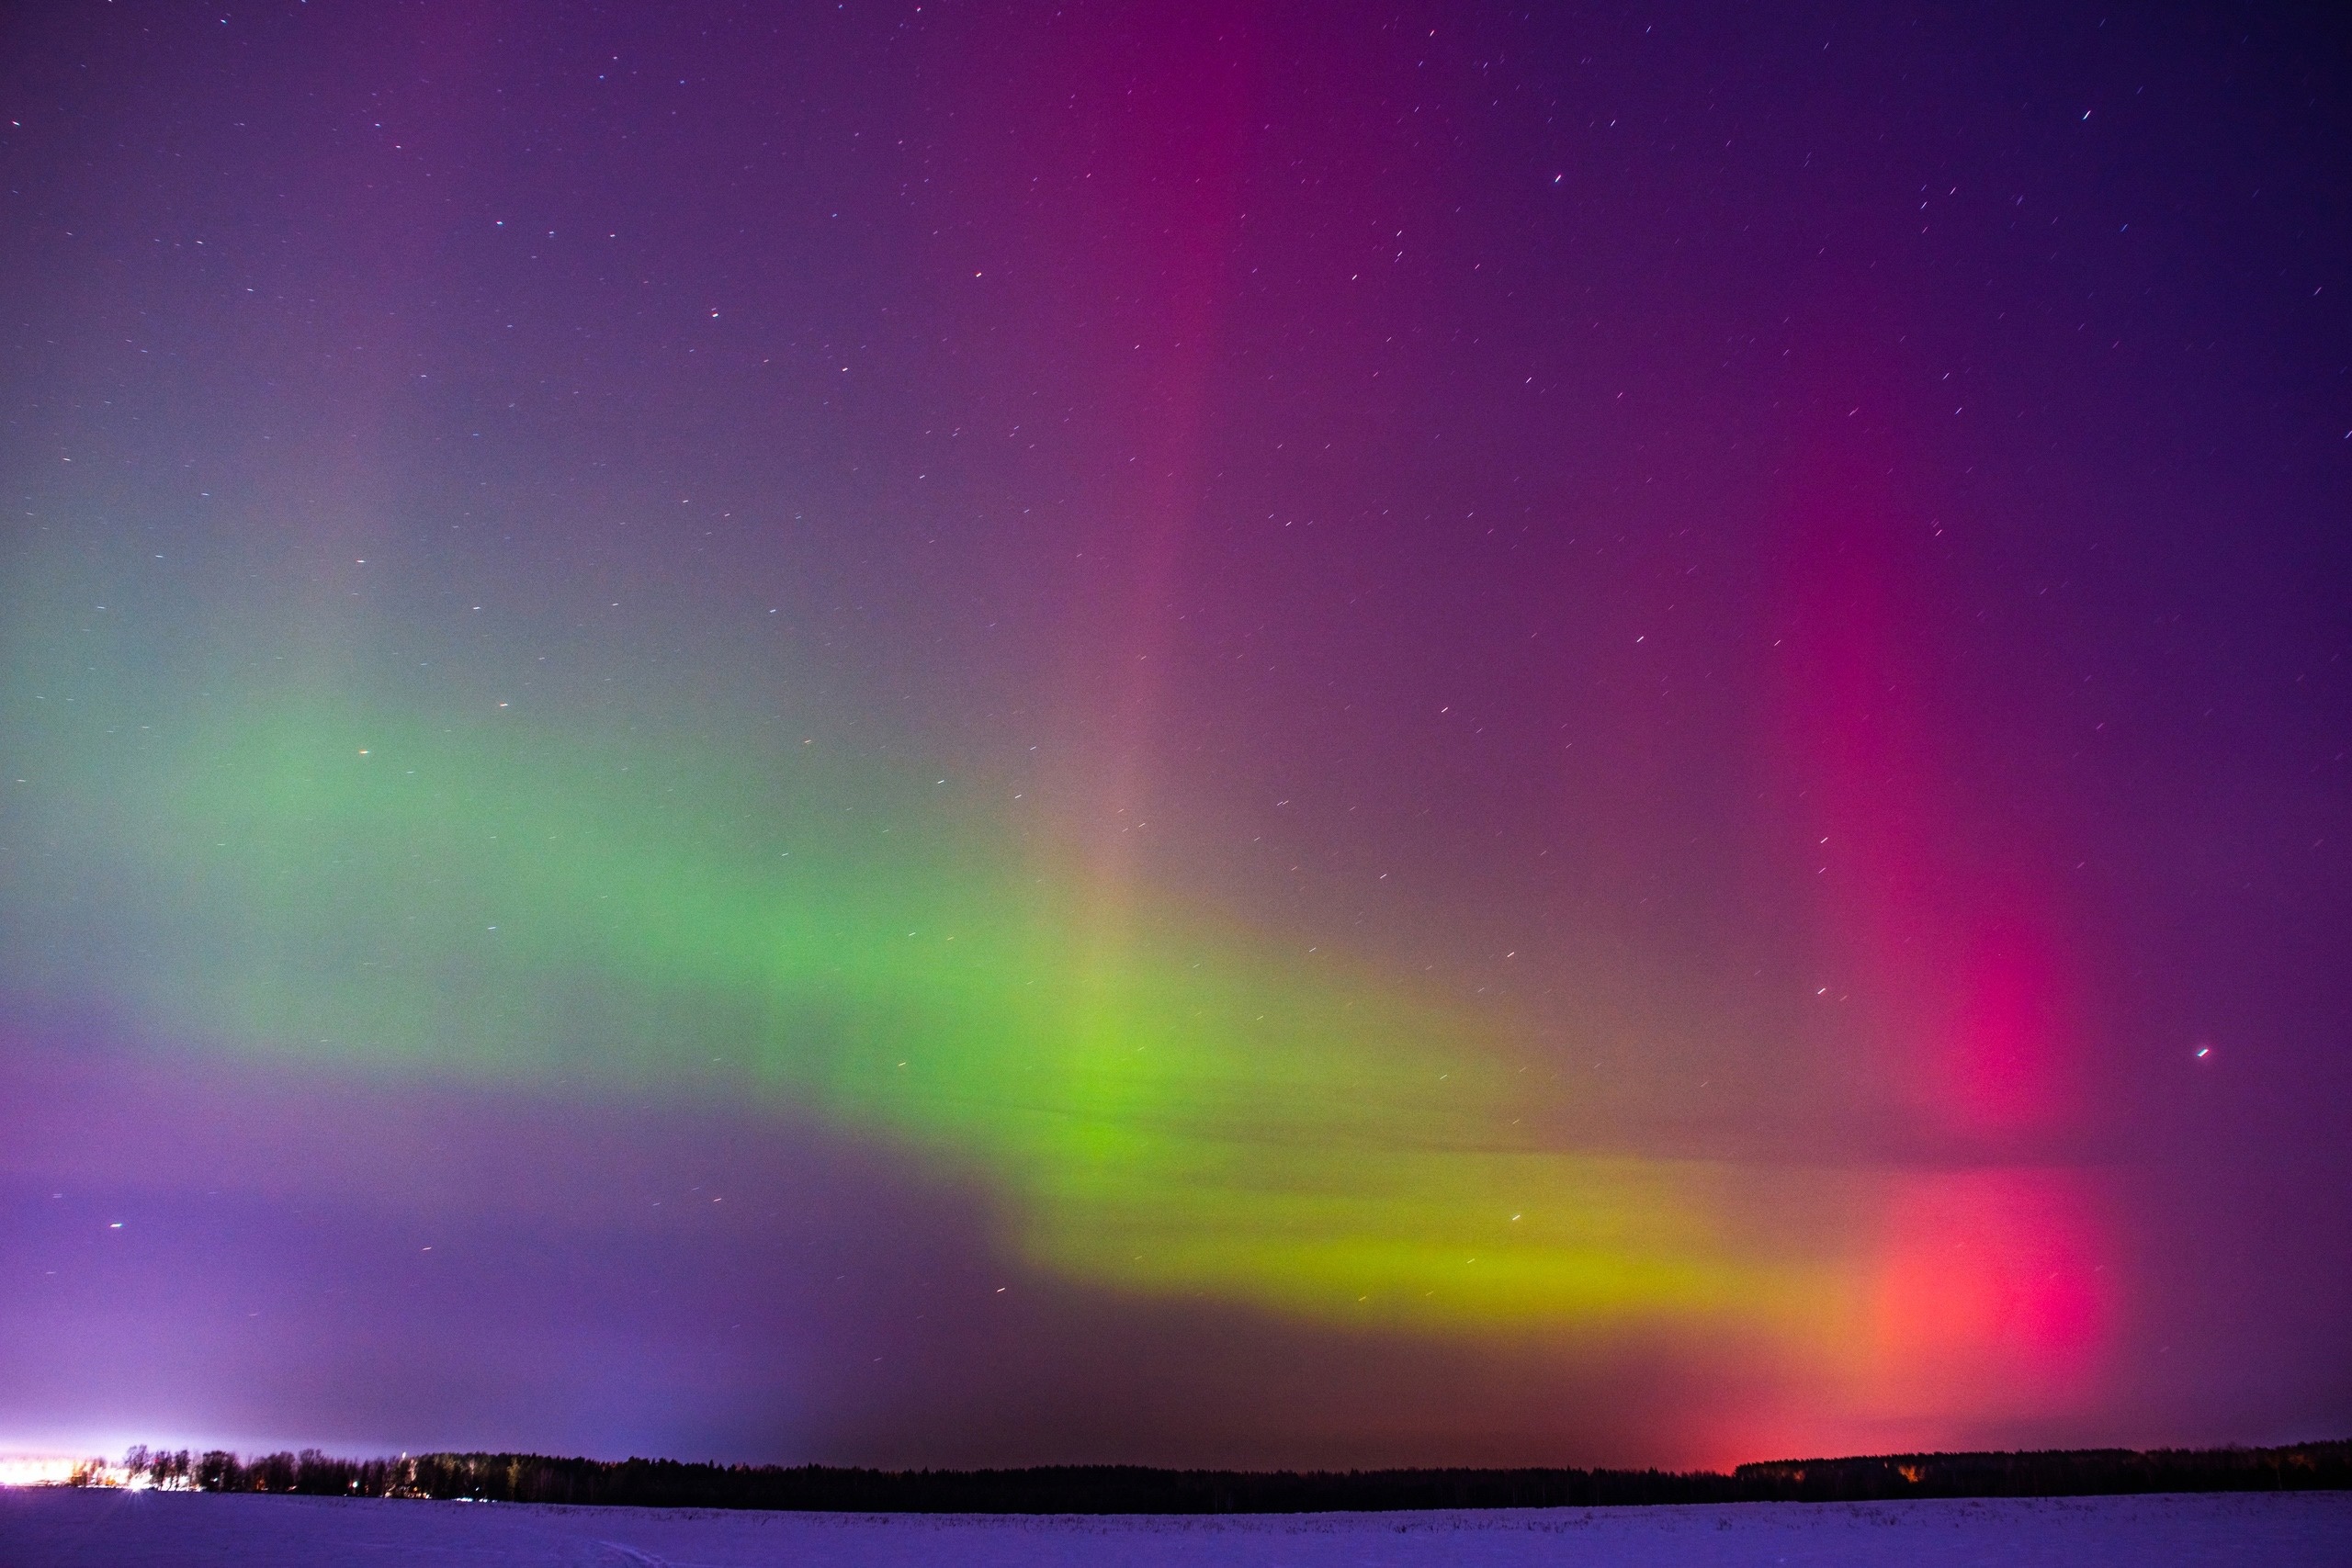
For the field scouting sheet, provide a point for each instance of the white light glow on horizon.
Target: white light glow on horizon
(38, 1470)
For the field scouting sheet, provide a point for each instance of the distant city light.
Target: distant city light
(38, 1470)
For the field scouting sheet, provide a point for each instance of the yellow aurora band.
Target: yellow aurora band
(1188, 1110)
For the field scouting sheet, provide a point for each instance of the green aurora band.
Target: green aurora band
(1168, 1108)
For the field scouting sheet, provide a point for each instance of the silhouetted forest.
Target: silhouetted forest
(1133, 1489)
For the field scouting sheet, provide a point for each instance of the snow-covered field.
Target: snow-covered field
(51, 1527)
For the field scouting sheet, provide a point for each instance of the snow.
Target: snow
(60, 1528)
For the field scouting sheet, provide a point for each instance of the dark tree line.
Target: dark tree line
(1133, 1489)
(2060, 1473)
(309, 1471)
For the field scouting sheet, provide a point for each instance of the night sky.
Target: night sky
(1280, 734)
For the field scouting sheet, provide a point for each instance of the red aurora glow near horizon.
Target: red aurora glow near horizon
(1263, 736)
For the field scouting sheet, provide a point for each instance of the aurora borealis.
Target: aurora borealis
(1232, 735)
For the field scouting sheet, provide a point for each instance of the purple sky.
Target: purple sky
(1636, 720)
